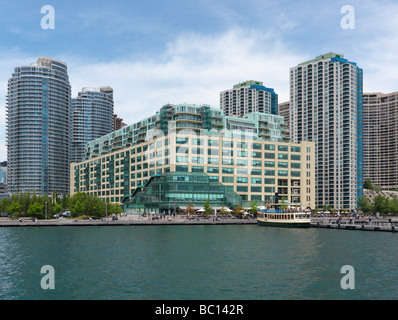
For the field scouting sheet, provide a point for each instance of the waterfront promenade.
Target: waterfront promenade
(121, 221)
(361, 223)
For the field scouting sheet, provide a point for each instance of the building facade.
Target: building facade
(244, 157)
(327, 107)
(284, 111)
(247, 97)
(38, 109)
(380, 140)
(92, 117)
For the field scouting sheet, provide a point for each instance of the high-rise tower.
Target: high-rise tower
(327, 108)
(92, 117)
(38, 106)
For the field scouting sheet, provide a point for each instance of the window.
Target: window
(269, 172)
(228, 179)
(256, 146)
(228, 170)
(283, 148)
(295, 165)
(269, 189)
(295, 173)
(181, 168)
(227, 144)
(269, 147)
(182, 140)
(283, 165)
(269, 164)
(213, 160)
(213, 143)
(256, 180)
(256, 172)
(295, 157)
(269, 181)
(269, 155)
(283, 173)
(197, 169)
(213, 170)
(255, 189)
(241, 179)
(283, 156)
(295, 149)
(241, 189)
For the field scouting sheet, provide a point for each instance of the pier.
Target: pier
(124, 221)
(348, 223)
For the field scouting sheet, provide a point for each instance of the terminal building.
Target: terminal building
(187, 153)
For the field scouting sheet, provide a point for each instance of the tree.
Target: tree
(36, 210)
(57, 208)
(253, 207)
(238, 210)
(13, 208)
(207, 207)
(190, 208)
(364, 205)
(78, 208)
(368, 184)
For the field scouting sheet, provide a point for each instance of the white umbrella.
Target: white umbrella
(201, 210)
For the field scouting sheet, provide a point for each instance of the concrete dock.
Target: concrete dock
(124, 221)
(366, 224)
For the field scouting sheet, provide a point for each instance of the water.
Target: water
(196, 262)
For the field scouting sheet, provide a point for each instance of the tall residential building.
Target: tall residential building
(92, 117)
(187, 153)
(117, 123)
(284, 111)
(327, 108)
(247, 97)
(38, 108)
(380, 139)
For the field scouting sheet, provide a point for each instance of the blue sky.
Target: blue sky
(176, 51)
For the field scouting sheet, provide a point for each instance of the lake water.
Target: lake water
(196, 263)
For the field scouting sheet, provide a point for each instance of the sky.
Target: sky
(188, 51)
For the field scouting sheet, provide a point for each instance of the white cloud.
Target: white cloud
(193, 69)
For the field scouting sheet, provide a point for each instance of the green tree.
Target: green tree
(36, 210)
(365, 205)
(57, 208)
(253, 207)
(368, 184)
(207, 207)
(14, 208)
(78, 208)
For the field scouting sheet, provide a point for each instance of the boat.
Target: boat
(285, 218)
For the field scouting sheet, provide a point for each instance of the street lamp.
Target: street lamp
(45, 215)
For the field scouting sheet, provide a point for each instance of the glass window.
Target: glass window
(269, 155)
(283, 156)
(228, 179)
(213, 170)
(269, 147)
(241, 179)
(295, 173)
(228, 170)
(255, 189)
(197, 169)
(241, 189)
(295, 157)
(256, 180)
(295, 165)
(283, 173)
(269, 181)
(269, 164)
(283, 148)
(283, 165)
(269, 172)
(295, 149)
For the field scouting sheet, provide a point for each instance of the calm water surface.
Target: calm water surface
(196, 262)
